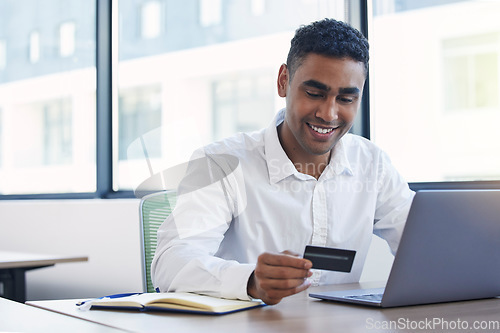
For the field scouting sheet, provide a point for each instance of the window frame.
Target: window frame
(106, 101)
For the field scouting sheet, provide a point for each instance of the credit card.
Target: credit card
(331, 259)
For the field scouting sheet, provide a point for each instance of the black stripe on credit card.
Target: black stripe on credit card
(331, 259)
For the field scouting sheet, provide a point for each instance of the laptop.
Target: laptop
(448, 252)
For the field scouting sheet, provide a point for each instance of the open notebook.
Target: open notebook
(176, 302)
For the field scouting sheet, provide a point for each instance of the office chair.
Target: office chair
(154, 209)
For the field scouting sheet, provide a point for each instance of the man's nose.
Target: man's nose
(329, 111)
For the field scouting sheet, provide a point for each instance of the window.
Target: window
(140, 112)
(258, 7)
(45, 138)
(57, 134)
(3, 54)
(210, 12)
(471, 72)
(34, 49)
(169, 86)
(48, 124)
(150, 19)
(1, 142)
(243, 104)
(434, 88)
(205, 78)
(188, 73)
(67, 39)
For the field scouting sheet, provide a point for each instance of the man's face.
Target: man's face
(322, 100)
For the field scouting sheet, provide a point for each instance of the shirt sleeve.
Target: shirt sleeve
(393, 204)
(209, 197)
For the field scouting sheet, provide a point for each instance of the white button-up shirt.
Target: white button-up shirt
(246, 197)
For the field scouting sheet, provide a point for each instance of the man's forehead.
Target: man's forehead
(321, 68)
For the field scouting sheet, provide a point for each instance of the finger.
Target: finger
(284, 260)
(294, 254)
(273, 296)
(281, 272)
(282, 284)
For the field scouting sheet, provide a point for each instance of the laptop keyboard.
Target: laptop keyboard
(367, 297)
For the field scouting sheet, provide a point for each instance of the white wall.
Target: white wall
(378, 262)
(108, 232)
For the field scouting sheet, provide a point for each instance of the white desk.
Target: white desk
(298, 313)
(17, 317)
(13, 266)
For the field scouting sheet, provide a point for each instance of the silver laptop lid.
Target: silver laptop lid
(449, 249)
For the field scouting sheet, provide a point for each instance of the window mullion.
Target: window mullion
(104, 142)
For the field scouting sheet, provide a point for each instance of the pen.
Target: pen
(109, 296)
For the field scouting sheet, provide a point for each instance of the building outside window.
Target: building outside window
(1, 137)
(258, 7)
(470, 66)
(3, 54)
(210, 12)
(434, 88)
(34, 49)
(151, 19)
(140, 112)
(67, 39)
(57, 133)
(211, 74)
(48, 124)
(168, 83)
(243, 104)
(192, 72)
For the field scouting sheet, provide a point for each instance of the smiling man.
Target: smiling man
(322, 101)
(256, 200)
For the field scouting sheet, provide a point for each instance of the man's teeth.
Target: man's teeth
(321, 130)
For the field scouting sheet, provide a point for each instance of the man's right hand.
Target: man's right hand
(277, 276)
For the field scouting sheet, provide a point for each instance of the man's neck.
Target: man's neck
(308, 164)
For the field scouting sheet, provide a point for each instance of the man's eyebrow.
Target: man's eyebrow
(321, 86)
(349, 91)
(316, 84)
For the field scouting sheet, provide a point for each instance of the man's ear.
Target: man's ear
(283, 77)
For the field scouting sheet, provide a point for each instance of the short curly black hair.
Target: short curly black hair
(330, 38)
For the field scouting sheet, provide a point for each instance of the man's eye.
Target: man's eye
(314, 95)
(346, 100)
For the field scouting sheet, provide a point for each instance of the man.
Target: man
(249, 204)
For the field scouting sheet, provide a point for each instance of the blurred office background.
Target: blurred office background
(184, 73)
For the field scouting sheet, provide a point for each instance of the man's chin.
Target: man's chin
(320, 151)
(323, 149)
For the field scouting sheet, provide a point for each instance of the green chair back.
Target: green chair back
(154, 209)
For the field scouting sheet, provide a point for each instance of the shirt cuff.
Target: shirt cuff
(235, 281)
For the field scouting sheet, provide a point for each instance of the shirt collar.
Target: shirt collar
(279, 165)
(339, 162)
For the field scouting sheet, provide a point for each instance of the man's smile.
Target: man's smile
(322, 129)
